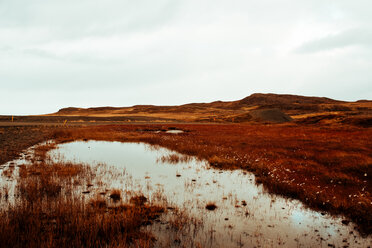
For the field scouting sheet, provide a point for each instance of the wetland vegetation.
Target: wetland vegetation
(61, 197)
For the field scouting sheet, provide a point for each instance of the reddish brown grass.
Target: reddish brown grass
(48, 213)
(115, 195)
(175, 158)
(326, 167)
(138, 200)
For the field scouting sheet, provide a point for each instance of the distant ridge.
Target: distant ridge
(271, 99)
(258, 107)
(257, 99)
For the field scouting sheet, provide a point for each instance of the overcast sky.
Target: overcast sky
(84, 53)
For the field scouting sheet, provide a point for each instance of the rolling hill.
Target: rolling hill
(267, 108)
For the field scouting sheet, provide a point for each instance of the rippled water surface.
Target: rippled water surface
(246, 216)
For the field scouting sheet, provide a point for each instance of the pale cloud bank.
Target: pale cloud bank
(55, 54)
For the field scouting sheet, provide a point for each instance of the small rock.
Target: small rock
(211, 206)
(345, 222)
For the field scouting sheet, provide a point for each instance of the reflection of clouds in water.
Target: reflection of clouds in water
(297, 217)
(270, 217)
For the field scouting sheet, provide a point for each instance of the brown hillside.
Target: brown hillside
(269, 115)
(270, 99)
(271, 108)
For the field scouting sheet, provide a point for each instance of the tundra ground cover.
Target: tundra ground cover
(327, 168)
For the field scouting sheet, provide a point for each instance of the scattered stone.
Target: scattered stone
(211, 206)
(345, 222)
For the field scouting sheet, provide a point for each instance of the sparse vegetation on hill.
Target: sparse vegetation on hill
(275, 99)
(244, 110)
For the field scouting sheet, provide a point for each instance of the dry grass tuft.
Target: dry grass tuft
(115, 195)
(175, 158)
(138, 200)
(99, 203)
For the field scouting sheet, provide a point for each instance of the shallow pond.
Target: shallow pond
(246, 215)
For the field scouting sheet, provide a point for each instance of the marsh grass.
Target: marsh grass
(138, 200)
(115, 195)
(70, 223)
(325, 167)
(174, 158)
(182, 222)
(50, 211)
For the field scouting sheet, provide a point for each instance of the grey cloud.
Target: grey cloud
(124, 52)
(354, 37)
(86, 17)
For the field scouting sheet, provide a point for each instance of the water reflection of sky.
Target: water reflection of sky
(263, 220)
(297, 217)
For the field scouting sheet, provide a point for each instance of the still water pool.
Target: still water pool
(246, 215)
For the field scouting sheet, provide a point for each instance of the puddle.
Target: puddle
(8, 174)
(175, 131)
(246, 216)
